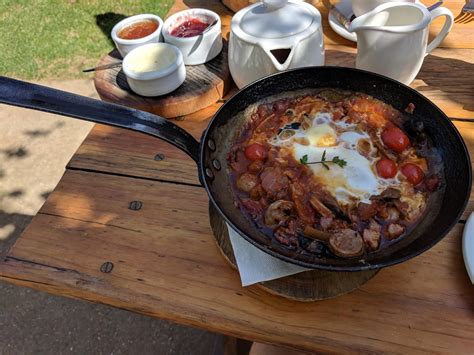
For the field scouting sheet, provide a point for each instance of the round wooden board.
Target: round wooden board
(205, 84)
(308, 286)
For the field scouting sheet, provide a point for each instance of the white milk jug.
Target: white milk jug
(392, 39)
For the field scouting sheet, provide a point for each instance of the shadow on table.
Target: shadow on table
(450, 76)
(13, 224)
(107, 21)
(43, 132)
(11, 227)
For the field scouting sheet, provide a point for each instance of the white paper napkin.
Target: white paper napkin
(254, 265)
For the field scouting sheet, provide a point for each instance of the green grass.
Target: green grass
(44, 39)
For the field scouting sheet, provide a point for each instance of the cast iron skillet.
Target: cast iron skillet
(211, 154)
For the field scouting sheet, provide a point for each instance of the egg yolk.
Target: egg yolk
(322, 136)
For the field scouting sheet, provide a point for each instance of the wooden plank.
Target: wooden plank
(461, 36)
(118, 151)
(446, 77)
(123, 152)
(166, 265)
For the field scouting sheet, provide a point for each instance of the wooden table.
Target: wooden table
(89, 242)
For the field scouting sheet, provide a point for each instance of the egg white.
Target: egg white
(355, 182)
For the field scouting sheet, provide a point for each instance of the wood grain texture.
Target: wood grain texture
(117, 151)
(308, 286)
(166, 265)
(461, 36)
(204, 85)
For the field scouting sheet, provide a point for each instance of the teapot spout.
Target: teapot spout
(280, 57)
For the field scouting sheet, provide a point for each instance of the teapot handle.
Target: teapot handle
(448, 24)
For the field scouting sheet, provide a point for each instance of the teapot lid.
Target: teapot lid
(276, 19)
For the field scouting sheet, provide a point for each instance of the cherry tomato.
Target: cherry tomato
(394, 138)
(413, 173)
(386, 168)
(255, 152)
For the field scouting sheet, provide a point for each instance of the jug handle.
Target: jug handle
(276, 63)
(448, 24)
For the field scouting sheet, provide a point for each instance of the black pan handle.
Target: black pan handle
(37, 97)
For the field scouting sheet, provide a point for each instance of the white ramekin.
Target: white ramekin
(197, 49)
(158, 82)
(124, 46)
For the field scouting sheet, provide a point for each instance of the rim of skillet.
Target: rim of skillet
(361, 267)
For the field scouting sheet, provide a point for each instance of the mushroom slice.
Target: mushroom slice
(346, 243)
(278, 212)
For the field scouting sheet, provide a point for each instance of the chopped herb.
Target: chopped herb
(304, 159)
(341, 162)
(336, 160)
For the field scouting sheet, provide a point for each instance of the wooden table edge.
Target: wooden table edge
(51, 287)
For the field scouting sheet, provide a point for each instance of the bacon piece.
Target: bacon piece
(394, 230)
(255, 166)
(254, 208)
(320, 207)
(326, 222)
(286, 235)
(274, 182)
(366, 211)
(257, 193)
(281, 105)
(371, 235)
(264, 110)
(302, 206)
(246, 182)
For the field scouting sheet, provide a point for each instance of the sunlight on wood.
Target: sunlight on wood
(6, 231)
(86, 206)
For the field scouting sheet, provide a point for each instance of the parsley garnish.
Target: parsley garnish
(336, 160)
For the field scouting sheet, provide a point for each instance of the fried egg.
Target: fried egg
(355, 182)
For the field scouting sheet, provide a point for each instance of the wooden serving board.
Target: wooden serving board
(307, 286)
(205, 84)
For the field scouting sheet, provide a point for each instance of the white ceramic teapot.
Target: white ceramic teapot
(272, 36)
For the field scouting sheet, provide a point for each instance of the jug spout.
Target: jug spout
(395, 17)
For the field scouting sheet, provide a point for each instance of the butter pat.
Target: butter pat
(154, 69)
(149, 59)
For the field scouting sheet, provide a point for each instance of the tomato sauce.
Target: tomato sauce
(189, 28)
(280, 194)
(138, 29)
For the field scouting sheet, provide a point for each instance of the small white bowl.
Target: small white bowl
(124, 46)
(147, 78)
(197, 49)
